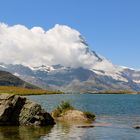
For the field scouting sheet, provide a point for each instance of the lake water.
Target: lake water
(118, 114)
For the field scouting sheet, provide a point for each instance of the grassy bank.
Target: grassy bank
(118, 92)
(25, 91)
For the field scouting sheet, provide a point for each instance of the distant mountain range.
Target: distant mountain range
(68, 79)
(94, 75)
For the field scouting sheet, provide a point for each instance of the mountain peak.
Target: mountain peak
(60, 45)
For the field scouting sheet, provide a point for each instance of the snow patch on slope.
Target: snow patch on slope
(106, 68)
(136, 81)
(2, 66)
(43, 68)
(17, 74)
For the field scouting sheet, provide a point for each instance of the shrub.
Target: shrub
(89, 115)
(57, 112)
(65, 105)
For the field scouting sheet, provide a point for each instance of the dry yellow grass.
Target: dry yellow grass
(119, 92)
(25, 91)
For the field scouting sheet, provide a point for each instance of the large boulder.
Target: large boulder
(17, 110)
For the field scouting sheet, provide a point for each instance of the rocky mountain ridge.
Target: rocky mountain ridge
(7, 79)
(69, 79)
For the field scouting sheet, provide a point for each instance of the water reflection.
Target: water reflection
(119, 129)
(23, 133)
(60, 131)
(64, 131)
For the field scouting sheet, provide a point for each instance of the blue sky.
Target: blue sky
(111, 27)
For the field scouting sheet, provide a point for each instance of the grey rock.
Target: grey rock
(136, 127)
(17, 110)
(86, 126)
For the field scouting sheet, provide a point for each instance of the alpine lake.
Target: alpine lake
(115, 117)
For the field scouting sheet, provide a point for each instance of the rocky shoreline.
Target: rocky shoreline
(18, 110)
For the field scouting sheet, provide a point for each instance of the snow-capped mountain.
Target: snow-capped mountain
(69, 79)
(132, 74)
(63, 61)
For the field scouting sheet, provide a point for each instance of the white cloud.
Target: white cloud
(59, 45)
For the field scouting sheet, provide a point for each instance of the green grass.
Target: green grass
(25, 91)
(63, 107)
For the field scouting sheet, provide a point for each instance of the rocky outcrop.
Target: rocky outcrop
(136, 127)
(74, 116)
(17, 110)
